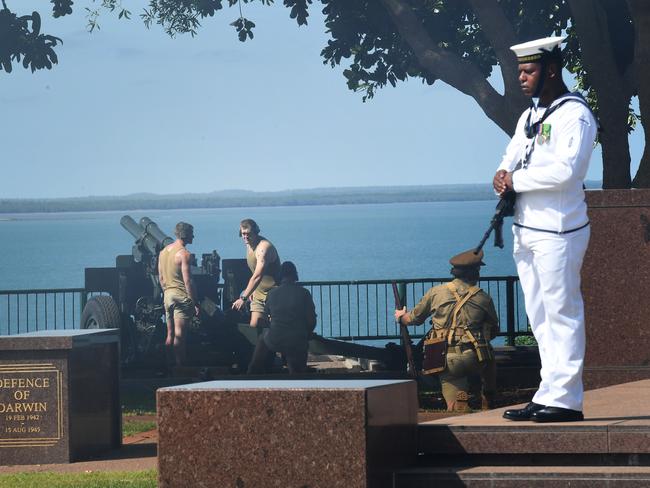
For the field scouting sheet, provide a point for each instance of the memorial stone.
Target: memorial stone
(616, 284)
(59, 396)
(289, 433)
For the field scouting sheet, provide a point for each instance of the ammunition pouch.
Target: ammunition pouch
(483, 349)
(484, 352)
(437, 342)
(435, 355)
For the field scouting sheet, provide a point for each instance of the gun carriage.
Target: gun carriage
(129, 297)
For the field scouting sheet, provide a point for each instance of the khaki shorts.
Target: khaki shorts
(178, 305)
(257, 303)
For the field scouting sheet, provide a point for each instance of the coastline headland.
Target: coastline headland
(247, 198)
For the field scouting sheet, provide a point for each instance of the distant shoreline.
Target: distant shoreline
(246, 198)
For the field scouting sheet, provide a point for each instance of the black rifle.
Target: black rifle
(505, 208)
(406, 338)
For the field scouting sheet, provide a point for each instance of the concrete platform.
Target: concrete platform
(617, 421)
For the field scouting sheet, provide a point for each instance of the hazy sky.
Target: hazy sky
(131, 110)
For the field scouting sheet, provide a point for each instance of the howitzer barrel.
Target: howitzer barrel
(152, 229)
(131, 226)
(148, 239)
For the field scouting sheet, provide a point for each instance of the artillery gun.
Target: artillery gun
(129, 297)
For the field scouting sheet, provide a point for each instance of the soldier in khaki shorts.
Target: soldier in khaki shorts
(264, 262)
(178, 292)
(464, 316)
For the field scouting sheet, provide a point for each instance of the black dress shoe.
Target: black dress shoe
(557, 414)
(523, 413)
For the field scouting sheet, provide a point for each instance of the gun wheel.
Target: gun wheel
(101, 312)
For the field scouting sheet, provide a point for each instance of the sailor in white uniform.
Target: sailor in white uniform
(545, 164)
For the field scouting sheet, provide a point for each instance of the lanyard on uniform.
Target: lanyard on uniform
(530, 135)
(530, 130)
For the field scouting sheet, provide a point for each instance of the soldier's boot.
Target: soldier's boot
(460, 405)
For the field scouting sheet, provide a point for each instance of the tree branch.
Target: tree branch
(440, 63)
(4, 4)
(499, 31)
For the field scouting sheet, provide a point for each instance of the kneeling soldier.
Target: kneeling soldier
(464, 321)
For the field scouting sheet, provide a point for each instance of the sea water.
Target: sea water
(329, 242)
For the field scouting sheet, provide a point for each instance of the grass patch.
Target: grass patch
(110, 479)
(139, 402)
(131, 427)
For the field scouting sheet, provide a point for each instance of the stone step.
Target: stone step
(617, 421)
(524, 476)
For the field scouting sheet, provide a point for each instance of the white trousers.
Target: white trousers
(549, 272)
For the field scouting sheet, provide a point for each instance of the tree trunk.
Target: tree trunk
(640, 10)
(459, 73)
(612, 90)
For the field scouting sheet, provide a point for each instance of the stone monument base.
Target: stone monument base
(616, 287)
(293, 433)
(59, 396)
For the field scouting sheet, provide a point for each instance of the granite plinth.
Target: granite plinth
(615, 284)
(616, 422)
(525, 476)
(610, 448)
(294, 433)
(59, 396)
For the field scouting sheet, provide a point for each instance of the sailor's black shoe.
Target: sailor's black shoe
(557, 414)
(523, 413)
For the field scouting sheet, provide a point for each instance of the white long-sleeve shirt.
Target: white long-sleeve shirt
(549, 190)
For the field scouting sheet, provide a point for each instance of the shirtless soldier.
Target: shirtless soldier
(264, 263)
(175, 279)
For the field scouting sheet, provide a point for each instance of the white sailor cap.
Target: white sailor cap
(532, 51)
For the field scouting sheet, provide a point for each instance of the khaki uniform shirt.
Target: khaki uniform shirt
(478, 313)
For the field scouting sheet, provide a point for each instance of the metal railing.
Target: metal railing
(347, 310)
(46, 309)
(363, 310)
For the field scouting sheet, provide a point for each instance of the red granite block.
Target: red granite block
(285, 433)
(525, 476)
(615, 280)
(510, 438)
(630, 436)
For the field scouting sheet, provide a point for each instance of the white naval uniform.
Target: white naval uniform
(550, 197)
